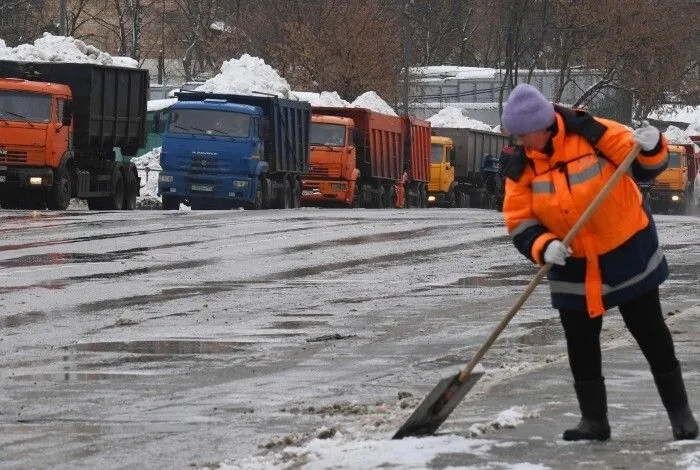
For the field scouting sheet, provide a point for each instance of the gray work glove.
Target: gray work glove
(556, 253)
(647, 136)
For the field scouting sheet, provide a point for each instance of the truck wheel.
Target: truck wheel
(381, 198)
(424, 197)
(391, 198)
(259, 202)
(117, 198)
(170, 203)
(451, 198)
(356, 200)
(284, 196)
(59, 197)
(132, 191)
(296, 195)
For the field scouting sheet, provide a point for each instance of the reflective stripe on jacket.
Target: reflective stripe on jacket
(616, 255)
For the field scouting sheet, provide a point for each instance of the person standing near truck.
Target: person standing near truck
(615, 260)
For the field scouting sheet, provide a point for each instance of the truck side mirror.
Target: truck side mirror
(67, 113)
(452, 155)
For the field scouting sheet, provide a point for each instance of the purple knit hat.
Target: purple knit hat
(527, 110)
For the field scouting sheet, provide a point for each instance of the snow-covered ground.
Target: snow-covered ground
(304, 339)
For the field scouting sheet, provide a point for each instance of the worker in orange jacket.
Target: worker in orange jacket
(615, 259)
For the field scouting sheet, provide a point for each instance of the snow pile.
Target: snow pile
(677, 136)
(338, 452)
(50, 48)
(371, 100)
(247, 76)
(510, 418)
(325, 98)
(148, 167)
(159, 105)
(454, 117)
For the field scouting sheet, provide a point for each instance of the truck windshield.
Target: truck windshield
(209, 122)
(437, 153)
(25, 106)
(674, 160)
(327, 134)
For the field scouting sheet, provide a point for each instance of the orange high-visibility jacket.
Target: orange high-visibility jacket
(616, 255)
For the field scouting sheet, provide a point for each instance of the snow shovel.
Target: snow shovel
(440, 402)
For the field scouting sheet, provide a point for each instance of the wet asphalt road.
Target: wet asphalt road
(179, 339)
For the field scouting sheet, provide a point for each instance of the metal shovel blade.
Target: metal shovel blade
(437, 406)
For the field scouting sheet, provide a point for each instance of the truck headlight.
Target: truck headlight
(35, 180)
(240, 184)
(165, 178)
(431, 198)
(675, 198)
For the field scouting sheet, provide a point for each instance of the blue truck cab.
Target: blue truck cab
(224, 151)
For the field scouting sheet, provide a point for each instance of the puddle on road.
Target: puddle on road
(296, 325)
(367, 239)
(66, 258)
(170, 347)
(21, 319)
(78, 377)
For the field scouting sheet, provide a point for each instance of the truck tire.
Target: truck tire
(391, 198)
(296, 194)
(424, 197)
(380, 198)
(116, 200)
(356, 201)
(132, 191)
(170, 203)
(285, 195)
(259, 202)
(59, 196)
(451, 198)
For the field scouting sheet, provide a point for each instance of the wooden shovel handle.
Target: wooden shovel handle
(542, 272)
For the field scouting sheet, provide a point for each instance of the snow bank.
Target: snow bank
(158, 105)
(454, 117)
(339, 452)
(371, 100)
(50, 48)
(247, 76)
(677, 136)
(325, 98)
(148, 167)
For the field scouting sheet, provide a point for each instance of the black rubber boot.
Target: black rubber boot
(674, 398)
(593, 402)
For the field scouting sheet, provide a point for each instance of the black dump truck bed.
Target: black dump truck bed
(109, 103)
(287, 145)
(470, 146)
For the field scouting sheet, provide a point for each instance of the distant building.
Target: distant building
(476, 91)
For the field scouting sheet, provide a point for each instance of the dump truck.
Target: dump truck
(356, 158)
(59, 126)
(417, 153)
(224, 151)
(467, 168)
(672, 190)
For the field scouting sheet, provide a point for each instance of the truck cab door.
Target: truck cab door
(60, 141)
(448, 175)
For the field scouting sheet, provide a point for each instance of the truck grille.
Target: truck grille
(326, 171)
(13, 156)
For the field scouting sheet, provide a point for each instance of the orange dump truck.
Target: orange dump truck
(363, 158)
(59, 126)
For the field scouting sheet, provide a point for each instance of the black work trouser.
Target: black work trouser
(644, 320)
